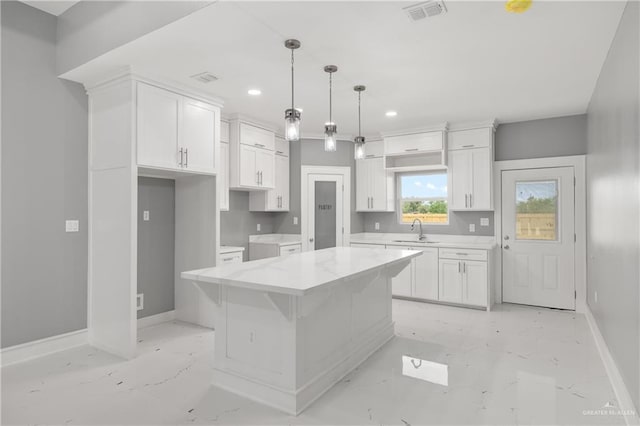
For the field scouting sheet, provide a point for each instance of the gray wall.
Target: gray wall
(156, 244)
(550, 137)
(44, 182)
(238, 223)
(310, 152)
(613, 173)
(86, 30)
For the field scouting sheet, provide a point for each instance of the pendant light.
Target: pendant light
(292, 115)
(330, 128)
(359, 140)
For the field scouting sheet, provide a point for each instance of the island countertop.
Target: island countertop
(301, 273)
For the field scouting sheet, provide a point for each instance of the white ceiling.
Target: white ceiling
(53, 7)
(475, 63)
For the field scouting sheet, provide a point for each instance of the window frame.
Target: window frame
(399, 198)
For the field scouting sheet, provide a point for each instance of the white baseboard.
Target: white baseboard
(625, 402)
(156, 319)
(42, 347)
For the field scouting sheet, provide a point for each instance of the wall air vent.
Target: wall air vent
(204, 77)
(427, 9)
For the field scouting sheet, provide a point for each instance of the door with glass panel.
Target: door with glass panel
(325, 211)
(538, 237)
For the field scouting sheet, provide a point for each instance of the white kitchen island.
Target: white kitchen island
(289, 328)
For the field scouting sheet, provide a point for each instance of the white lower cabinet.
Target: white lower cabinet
(287, 250)
(464, 281)
(420, 279)
(231, 258)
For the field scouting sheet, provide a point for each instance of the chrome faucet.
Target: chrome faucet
(421, 236)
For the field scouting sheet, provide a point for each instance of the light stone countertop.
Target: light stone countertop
(280, 239)
(433, 240)
(299, 274)
(230, 249)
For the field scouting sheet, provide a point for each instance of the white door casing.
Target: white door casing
(538, 256)
(307, 221)
(311, 211)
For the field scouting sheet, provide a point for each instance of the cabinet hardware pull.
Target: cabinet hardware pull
(458, 267)
(464, 267)
(370, 156)
(186, 157)
(257, 178)
(279, 152)
(261, 179)
(470, 200)
(180, 164)
(466, 200)
(226, 259)
(468, 146)
(462, 254)
(259, 144)
(411, 149)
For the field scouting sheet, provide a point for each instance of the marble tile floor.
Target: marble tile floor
(446, 365)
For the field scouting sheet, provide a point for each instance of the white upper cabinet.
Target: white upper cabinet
(224, 131)
(252, 160)
(175, 132)
(375, 190)
(416, 151)
(223, 176)
(277, 199)
(471, 169)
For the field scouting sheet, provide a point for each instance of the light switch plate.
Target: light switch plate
(484, 221)
(258, 227)
(140, 301)
(72, 225)
(295, 220)
(377, 226)
(472, 227)
(145, 215)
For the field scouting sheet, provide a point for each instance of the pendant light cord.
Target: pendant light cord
(359, 128)
(330, 90)
(292, 101)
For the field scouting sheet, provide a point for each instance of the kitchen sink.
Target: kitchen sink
(415, 242)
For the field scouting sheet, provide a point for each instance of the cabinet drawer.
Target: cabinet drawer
(418, 142)
(224, 131)
(255, 136)
(287, 250)
(463, 254)
(282, 147)
(230, 258)
(473, 138)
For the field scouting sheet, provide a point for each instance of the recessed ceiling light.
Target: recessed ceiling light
(391, 113)
(254, 92)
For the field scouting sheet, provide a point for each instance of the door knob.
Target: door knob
(506, 247)
(310, 240)
(506, 237)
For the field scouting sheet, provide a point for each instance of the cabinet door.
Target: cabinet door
(362, 186)
(481, 179)
(248, 166)
(460, 176)
(282, 181)
(223, 175)
(377, 183)
(157, 127)
(475, 283)
(266, 165)
(425, 274)
(450, 282)
(197, 135)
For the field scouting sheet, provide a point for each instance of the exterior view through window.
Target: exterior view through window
(537, 210)
(423, 196)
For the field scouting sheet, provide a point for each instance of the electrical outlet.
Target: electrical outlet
(484, 221)
(140, 301)
(595, 296)
(377, 226)
(72, 225)
(258, 227)
(145, 215)
(295, 220)
(472, 227)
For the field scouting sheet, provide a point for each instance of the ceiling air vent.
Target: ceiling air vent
(427, 9)
(204, 77)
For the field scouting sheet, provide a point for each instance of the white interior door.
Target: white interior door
(325, 211)
(538, 214)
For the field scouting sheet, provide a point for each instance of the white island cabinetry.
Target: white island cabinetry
(288, 328)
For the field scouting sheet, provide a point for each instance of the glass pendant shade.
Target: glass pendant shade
(359, 153)
(292, 125)
(330, 142)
